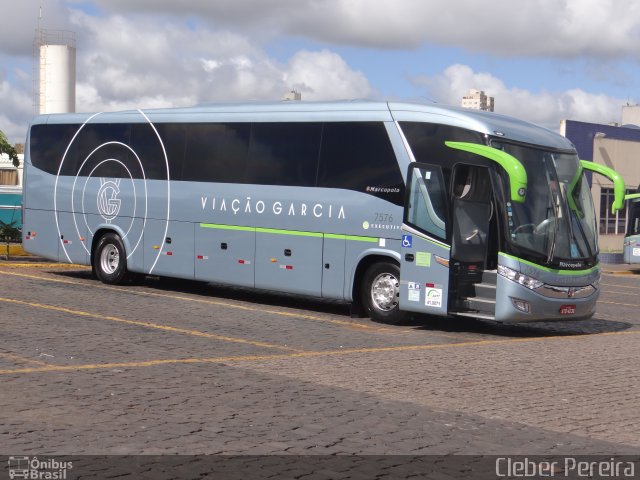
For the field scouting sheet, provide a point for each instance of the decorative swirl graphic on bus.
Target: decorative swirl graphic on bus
(107, 175)
(108, 201)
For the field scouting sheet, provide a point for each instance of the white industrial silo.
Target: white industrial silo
(56, 51)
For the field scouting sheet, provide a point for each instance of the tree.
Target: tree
(8, 234)
(6, 147)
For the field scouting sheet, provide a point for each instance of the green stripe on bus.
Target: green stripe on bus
(353, 238)
(296, 233)
(551, 270)
(227, 227)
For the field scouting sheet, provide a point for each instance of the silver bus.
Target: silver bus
(394, 207)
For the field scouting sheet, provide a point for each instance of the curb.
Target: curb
(17, 254)
(23, 259)
(14, 250)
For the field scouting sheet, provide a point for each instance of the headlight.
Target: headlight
(520, 278)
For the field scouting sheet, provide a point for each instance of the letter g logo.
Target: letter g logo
(108, 201)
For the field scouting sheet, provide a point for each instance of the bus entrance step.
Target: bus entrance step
(479, 304)
(485, 290)
(490, 277)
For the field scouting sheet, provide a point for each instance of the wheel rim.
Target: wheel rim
(109, 259)
(385, 291)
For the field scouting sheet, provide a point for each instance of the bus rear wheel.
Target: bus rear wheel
(381, 293)
(110, 259)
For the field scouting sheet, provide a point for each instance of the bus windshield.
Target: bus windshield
(556, 220)
(634, 218)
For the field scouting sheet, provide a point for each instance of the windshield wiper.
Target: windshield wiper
(552, 250)
(554, 205)
(574, 214)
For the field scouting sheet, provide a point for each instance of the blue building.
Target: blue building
(11, 191)
(617, 147)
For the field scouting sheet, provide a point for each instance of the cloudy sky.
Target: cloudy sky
(542, 60)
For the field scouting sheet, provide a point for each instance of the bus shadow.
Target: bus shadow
(268, 298)
(222, 292)
(520, 330)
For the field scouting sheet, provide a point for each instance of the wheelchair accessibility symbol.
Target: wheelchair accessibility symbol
(407, 241)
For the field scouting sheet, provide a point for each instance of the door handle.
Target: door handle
(409, 257)
(473, 235)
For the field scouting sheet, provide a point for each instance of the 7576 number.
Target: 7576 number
(383, 218)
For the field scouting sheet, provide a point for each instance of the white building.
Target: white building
(292, 95)
(631, 115)
(478, 100)
(10, 175)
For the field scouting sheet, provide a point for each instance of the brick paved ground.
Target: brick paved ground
(155, 369)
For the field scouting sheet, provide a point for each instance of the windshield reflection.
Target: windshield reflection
(556, 220)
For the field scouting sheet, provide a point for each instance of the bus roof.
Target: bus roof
(488, 123)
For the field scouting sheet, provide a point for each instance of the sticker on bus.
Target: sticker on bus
(433, 297)
(414, 292)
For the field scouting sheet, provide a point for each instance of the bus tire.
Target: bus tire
(380, 293)
(110, 259)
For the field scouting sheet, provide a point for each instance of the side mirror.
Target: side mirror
(513, 167)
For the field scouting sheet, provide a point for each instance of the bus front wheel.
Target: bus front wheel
(110, 259)
(381, 293)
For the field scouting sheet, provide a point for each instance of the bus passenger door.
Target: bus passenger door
(424, 266)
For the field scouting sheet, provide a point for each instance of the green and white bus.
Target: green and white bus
(394, 207)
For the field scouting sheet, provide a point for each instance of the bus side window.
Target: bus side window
(216, 152)
(144, 141)
(634, 218)
(358, 156)
(102, 151)
(48, 144)
(284, 153)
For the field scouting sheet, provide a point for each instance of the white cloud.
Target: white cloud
(506, 27)
(20, 20)
(125, 63)
(17, 107)
(544, 108)
(325, 75)
(179, 65)
(157, 53)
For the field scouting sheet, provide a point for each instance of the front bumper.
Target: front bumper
(544, 304)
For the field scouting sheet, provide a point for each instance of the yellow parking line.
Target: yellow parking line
(308, 354)
(303, 316)
(620, 286)
(148, 363)
(619, 304)
(18, 358)
(619, 293)
(167, 328)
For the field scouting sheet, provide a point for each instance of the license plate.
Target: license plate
(567, 310)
